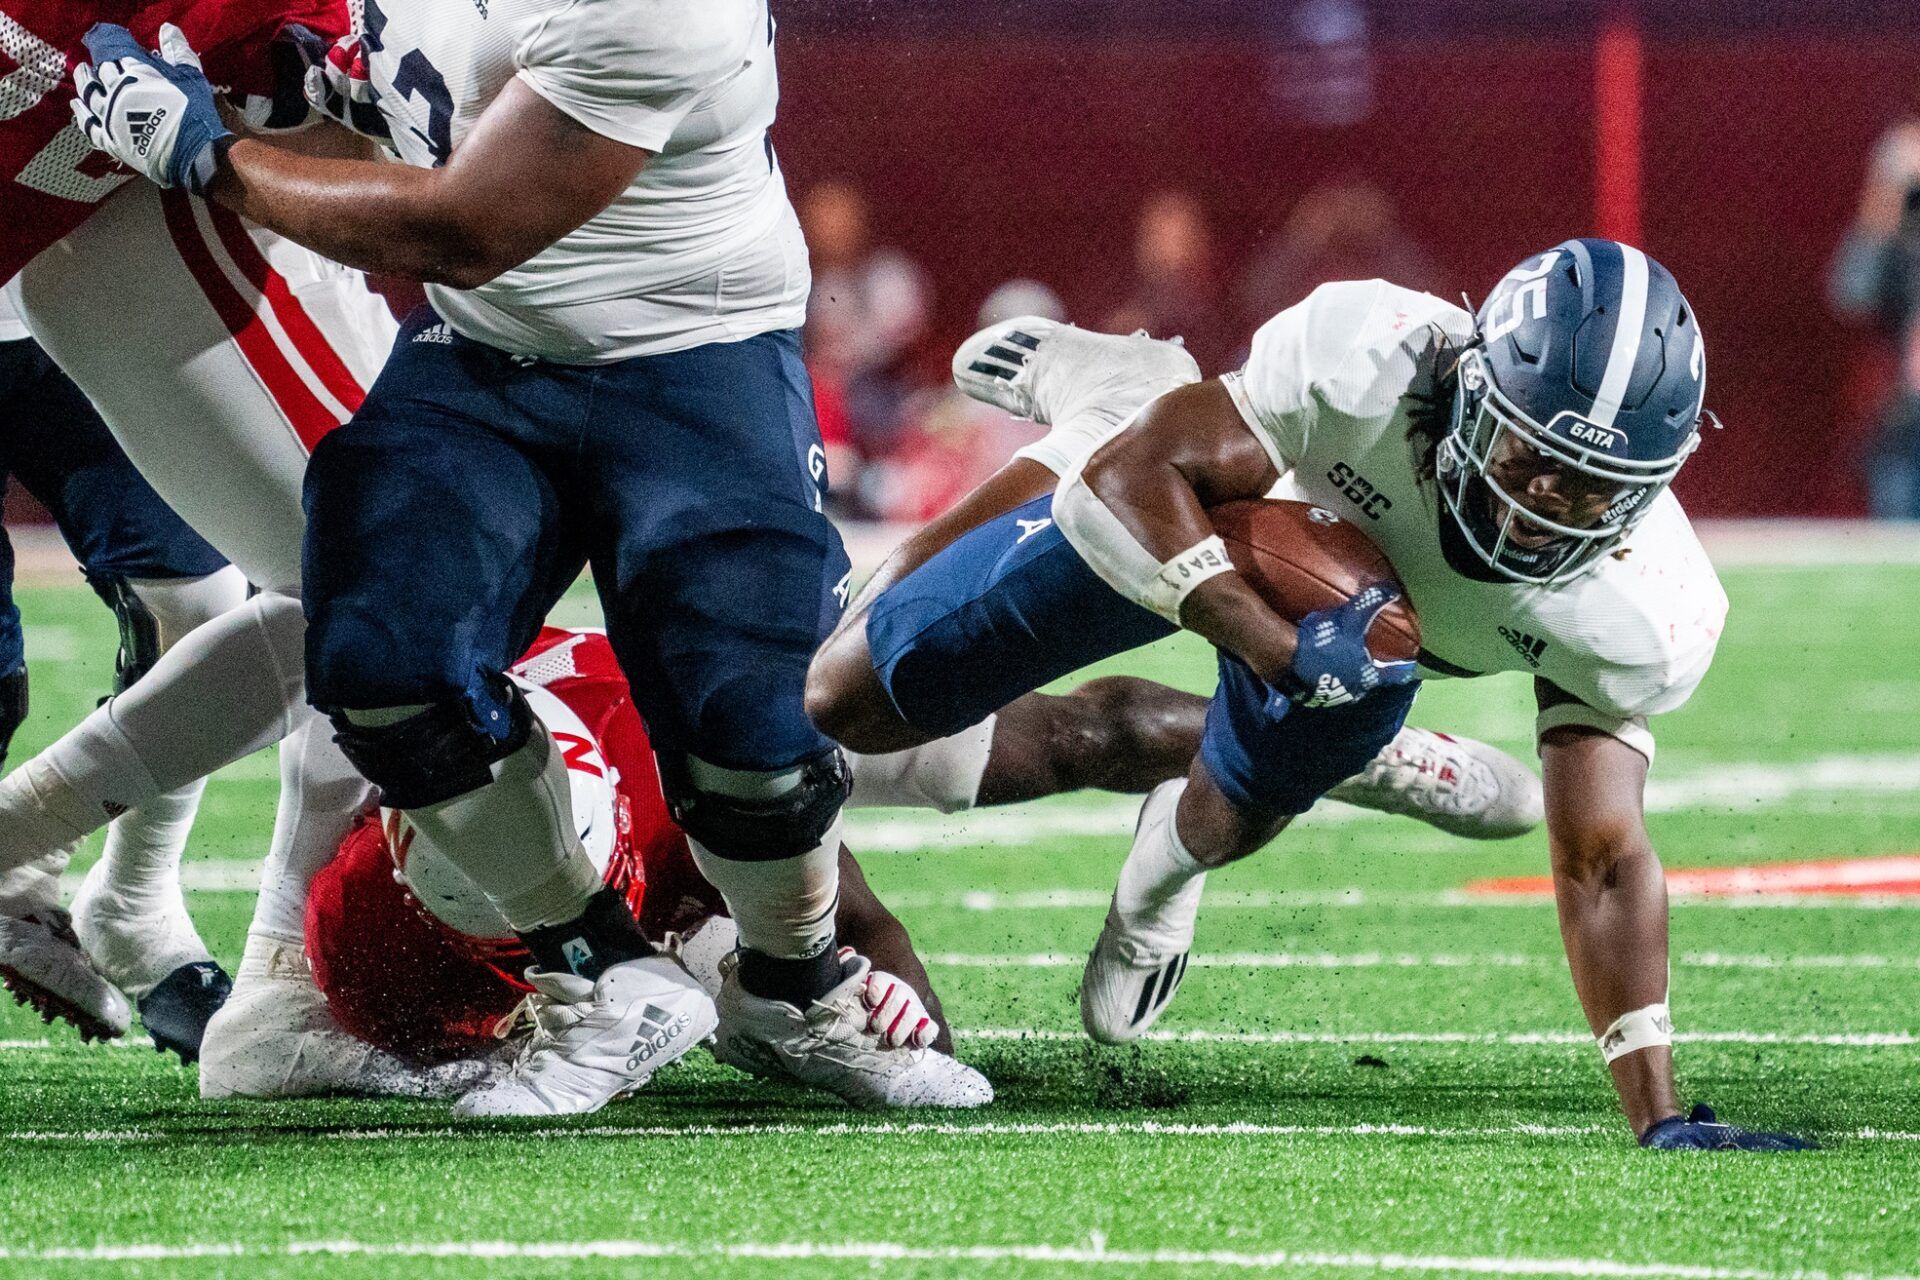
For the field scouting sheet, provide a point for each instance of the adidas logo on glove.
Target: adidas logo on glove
(145, 124)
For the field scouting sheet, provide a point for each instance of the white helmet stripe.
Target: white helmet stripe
(1627, 332)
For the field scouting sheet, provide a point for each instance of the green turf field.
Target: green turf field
(1364, 1073)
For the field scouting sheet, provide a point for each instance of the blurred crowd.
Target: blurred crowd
(1875, 282)
(904, 445)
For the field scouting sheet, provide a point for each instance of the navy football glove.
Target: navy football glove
(1332, 666)
(153, 112)
(1701, 1131)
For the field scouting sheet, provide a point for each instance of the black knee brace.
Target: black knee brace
(139, 629)
(751, 829)
(13, 708)
(436, 755)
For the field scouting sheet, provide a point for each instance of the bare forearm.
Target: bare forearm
(389, 219)
(1613, 920)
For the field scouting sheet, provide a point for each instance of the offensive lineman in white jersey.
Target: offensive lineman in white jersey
(1513, 467)
(609, 372)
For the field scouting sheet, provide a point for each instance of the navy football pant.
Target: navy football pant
(54, 443)
(449, 516)
(1010, 606)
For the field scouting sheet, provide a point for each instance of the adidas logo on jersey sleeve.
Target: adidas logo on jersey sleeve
(1528, 647)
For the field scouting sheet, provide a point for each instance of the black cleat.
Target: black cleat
(176, 1011)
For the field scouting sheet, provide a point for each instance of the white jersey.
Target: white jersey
(1326, 391)
(703, 247)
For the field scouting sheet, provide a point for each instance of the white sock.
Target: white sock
(943, 774)
(34, 885)
(783, 908)
(144, 844)
(223, 692)
(144, 847)
(320, 796)
(515, 838)
(1160, 879)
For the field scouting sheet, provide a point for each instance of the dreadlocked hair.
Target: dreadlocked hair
(1430, 401)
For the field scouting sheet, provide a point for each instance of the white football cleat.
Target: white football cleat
(1048, 372)
(600, 1039)
(834, 1046)
(1463, 787)
(42, 964)
(1141, 955)
(134, 946)
(1127, 983)
(275, 1038)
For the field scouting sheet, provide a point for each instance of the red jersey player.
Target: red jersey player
(418, 964)
(57, 178)
(217, 354)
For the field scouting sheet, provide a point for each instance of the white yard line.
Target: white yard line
(881, 1129)
(1092, 1252)
(1842, 1040)
(1064, 899)
(236, 875)
(1390, 960)
(1738, 786)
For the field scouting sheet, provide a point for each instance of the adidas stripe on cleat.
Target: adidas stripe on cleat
(1159, 989)
(1006, 357)
(599, 1040)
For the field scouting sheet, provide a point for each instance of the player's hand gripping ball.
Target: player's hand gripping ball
(1333, 667)
(340, 88)
(152, 111)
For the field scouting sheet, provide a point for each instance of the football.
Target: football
(1300, 558)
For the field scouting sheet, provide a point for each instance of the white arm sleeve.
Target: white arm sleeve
(631, 70)
(1107, 545)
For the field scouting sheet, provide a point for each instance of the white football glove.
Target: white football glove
(339, 88)
(153, 112)
(895, 1012)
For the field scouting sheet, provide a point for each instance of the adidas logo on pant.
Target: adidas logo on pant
(439, 333)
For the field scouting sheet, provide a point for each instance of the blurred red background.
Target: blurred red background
(986, 157)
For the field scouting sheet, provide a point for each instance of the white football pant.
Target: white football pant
(219, 354)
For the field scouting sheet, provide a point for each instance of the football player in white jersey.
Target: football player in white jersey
(1513, 467)
(609, 371)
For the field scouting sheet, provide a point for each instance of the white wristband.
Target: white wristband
(1177, 578)
(1632, 1032)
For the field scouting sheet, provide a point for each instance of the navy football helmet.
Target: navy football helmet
(1575, 406)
